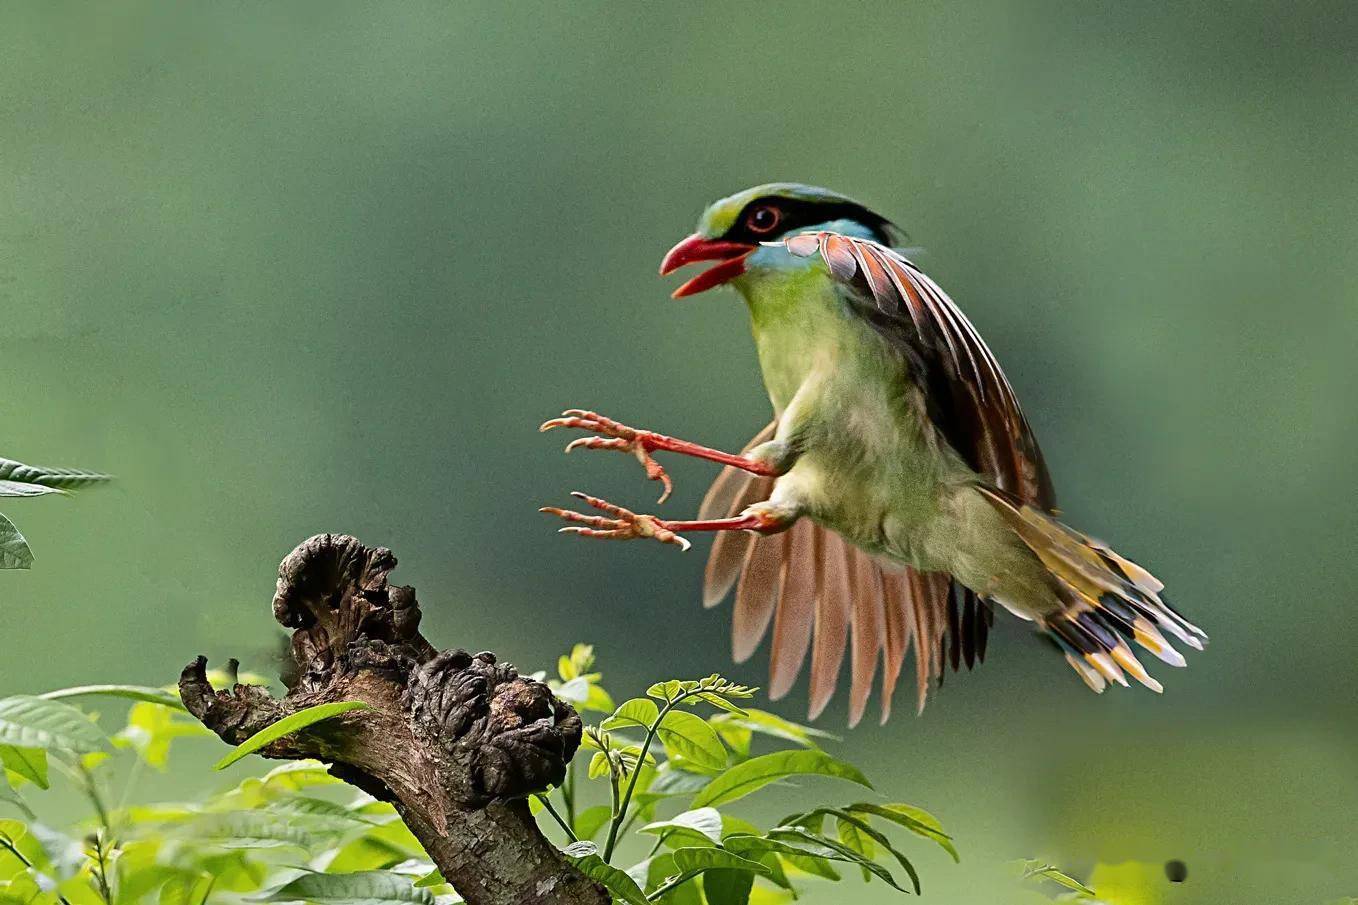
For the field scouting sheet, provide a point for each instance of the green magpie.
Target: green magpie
(899, 491)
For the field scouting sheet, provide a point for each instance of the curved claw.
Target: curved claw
(614, 436)
(624, 524)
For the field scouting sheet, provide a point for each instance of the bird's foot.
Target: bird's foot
(615, 436)
(624, 524)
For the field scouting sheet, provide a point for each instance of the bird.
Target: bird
(898, 495)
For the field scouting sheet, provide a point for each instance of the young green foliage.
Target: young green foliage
(690, 747)
(668, 767)
(18, 480)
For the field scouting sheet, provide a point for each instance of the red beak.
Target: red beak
(698, 247)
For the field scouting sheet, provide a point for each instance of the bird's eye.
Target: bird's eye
(763, 219)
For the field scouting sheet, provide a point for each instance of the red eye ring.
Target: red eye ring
(764, 219)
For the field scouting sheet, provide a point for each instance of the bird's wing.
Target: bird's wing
(820, 592)
(822, 595)
(968, 399)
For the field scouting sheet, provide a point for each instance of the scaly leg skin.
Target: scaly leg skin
(624, 524)
(641, 443)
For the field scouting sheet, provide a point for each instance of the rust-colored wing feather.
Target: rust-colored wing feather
(731, 492)
(970, 401)
(822, 594)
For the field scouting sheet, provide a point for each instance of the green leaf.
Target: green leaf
(152, 728)
(640, 713)
(693, 861)
(705, 823)
(131, 692)
(247, 829)
(369, 887)
(771, 724)
(299, 774)
(668, 691)
(576, 691)
(589, 821)
(599, 765)
(18, 479)
(812, 859)
(916, 820)
(433, 878)
(675, 869)
(672, 781)
(859, 827)
(20, 489)
(757, 772)
(1043, 871)
(584, 855)
(728, 887)
(655, 872)
(735, 826)
(235, 871)
(856, 839)
(846, 854)
(578, 663)
(30, 763)
(737, 738)
(691, 737)
(285, 727)
(317, 813)
(379, 847)
(184, 888)
(597, 700)
(31, 722)
(718, 702)
(14, 550)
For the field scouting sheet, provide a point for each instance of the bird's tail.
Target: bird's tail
(1107, 600)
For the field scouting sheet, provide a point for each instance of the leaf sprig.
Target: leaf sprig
(18, 480)
(656, 749)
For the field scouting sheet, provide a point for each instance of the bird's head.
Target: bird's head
(733, 231)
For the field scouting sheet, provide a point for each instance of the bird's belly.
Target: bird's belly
(870, 474)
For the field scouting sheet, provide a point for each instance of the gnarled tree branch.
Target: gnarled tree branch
(456, 742)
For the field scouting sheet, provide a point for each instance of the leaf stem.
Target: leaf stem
(630, 820)
(620, 808)
(568, 792)
(547, 805)
(92, 790)
(660, 840)
(102, 874)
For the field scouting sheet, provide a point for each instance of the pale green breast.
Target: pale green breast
(870, 469)
(797, 329)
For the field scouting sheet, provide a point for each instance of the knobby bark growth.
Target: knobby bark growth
(454, 741)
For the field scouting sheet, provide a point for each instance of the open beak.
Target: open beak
(698, 247)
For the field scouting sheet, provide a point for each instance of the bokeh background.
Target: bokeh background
(289, 268)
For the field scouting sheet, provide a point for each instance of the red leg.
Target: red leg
(641, 443)
(628, 525)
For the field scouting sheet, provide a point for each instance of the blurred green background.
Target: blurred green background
(290, 268)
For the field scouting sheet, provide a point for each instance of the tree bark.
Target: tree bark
(455, 742)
